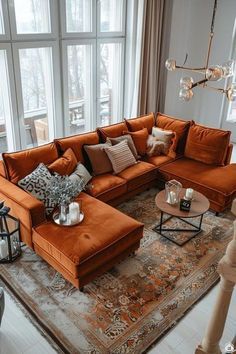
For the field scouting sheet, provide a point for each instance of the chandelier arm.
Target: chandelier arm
(199, 83)
(199, 70)
(216, 89)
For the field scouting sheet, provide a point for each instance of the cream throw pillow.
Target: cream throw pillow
(162, 135)
(120, 156)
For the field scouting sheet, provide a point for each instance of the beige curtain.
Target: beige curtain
(155, 48)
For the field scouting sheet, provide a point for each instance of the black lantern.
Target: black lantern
(10, 247)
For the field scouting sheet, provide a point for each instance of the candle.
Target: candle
(189, 193)
(172, 197)
(3, 249)
(74, 211)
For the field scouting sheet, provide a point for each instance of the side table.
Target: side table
(199, 205)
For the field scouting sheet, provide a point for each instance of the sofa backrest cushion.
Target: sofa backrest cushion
(145, 121)
(22, 163)
(207, 145)
(178, 126)
(111, 131)
(76, 143)
(65, 164)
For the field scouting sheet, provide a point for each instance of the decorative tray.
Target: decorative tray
(68, 222)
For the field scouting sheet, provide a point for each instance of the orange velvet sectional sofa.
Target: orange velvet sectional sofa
(199, 158)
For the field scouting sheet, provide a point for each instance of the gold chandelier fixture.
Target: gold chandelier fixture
(210, 73)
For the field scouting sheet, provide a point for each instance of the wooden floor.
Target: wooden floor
(19, 336)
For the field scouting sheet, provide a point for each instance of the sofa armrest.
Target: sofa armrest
(24, 206)
(228, 154)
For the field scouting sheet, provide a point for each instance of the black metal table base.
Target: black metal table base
(160, 229)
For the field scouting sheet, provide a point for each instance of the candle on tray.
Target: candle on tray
(189, 193)
(74, 212)
(172, 197)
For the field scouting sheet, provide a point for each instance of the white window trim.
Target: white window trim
(35, 36)
(72, 35)
(12, 125)
(55, 127)
(65, 44)
(110, 40)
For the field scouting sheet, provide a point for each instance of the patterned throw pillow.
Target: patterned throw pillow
(120, 156)
(36, 184)
(118, 139)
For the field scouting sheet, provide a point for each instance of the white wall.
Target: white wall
(190, 27)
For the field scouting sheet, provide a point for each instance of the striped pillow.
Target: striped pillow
(120, 156)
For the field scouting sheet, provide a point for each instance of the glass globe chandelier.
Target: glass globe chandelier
(210, 73)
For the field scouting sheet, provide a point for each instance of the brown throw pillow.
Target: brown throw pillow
(130, 142)
(120, 156)
(98, 158)
(65, 164)
(140, 140)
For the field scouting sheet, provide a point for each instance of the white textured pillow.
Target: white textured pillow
(162, 135)
(81, 172)
(120, 156)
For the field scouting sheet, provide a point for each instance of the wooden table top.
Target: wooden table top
(199, 205)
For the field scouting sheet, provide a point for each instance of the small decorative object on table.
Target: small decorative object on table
(62, 190)
(10, 247)
(185, 202)
(172, 189)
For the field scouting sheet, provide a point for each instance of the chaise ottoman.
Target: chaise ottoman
(82, 252)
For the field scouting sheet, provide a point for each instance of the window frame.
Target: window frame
(34, 36)
(6, 35)
(65, 44)
(72, 35)
(54, 126)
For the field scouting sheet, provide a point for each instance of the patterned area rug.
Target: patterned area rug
(132, 305)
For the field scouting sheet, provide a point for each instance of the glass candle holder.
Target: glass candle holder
(172, 189)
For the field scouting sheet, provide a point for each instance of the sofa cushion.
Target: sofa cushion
(145, 121)
(36, 183)
(130, 142)
(217, 183)
(98, 158)
(179, 126)
(76, 143)
(91, 239)
(111, 131)
(65, 164)
(140, 138)
(207, 145)
(22, 163)
(107, 187)
(120, 156)
(81, 172)
(158, 160)
(138, 174)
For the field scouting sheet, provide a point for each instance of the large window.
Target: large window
(61, 82)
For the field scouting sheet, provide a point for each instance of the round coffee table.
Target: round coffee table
(199, 205)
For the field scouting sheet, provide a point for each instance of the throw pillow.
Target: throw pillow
(81, 172)
(65, 164)
(145, 121)
(140, 140)
(36, 184)
(98, 158)
(163, 135)
(155, 147)
(120, 156)
(129, 140)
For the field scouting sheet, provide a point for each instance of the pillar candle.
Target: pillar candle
(74, 211)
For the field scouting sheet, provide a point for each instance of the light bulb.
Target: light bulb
(228, 68)
(231, 92)
(186, 82)
(214, 73)
(185, 95)
(170, 64)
